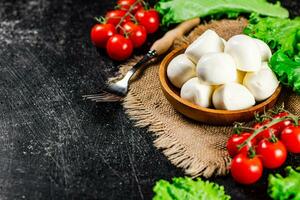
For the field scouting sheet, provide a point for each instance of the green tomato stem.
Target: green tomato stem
(251, 153)
(273, 138)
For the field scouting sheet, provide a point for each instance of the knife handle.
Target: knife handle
(162, 45)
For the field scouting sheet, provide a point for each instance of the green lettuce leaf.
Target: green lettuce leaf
(188, 189)
(287, 70)
(175, 11)
(285, 188)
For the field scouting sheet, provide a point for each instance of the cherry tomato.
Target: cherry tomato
(137, 33)
(149, 19)
(281, 125)
(290, 136)
(267, 133)
(119, 48)
(140, 14)
(100, 33)
(272, 154)
(114, 17)
(125, 5)
(246, 170)
(235, 140)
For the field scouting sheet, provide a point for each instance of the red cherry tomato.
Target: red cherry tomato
(272, 154)
(235, 140)
(290, 136)
(139, 14)
(149, 19)
(100, 33)
(246, 170)
(136, 33)
(114, 17)
(127, 27)
(267, 133)
(125, 5)
(281, 125)
(119, 48)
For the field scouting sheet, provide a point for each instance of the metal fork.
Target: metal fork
(117, 91)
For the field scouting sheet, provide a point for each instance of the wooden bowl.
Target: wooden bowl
(207, 115)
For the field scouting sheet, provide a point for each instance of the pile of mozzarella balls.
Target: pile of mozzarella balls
(228, 75)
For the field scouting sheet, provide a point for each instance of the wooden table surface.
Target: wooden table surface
(53, 145)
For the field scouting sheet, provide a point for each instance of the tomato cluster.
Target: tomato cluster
(125, 28)
(265, 146)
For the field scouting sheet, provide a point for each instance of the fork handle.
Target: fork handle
(150, 55)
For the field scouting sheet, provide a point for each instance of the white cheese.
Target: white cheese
(216, 68)
(264, 49)
(197, 92)
(262, 84)
(180, 69)
(245, 52)
(208, 42)
(232, 96)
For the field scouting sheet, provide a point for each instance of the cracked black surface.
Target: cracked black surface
(53, 145)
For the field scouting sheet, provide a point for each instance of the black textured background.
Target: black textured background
(53, 145)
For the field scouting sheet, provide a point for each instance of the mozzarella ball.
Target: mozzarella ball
(197, 92)
(245, 52)
(216, 68)
(180, 69)
(240, 76)
(232, 96)
(262, 84)
(264, 49)
(208, 42)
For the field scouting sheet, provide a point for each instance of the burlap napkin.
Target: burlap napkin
(196, 148)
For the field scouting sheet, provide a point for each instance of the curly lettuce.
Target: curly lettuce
(287, 70)
(188, 189)
(284, 188)
(176, 11)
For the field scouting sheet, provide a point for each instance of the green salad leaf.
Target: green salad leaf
(287, 70)
(284, 188)
(188, 189)
(283, 37)
(175, 11)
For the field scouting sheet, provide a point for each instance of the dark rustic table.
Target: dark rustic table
(53, 145)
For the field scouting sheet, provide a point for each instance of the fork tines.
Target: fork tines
(103, 97)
